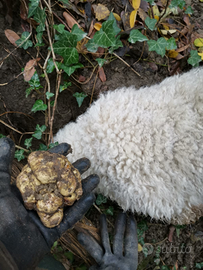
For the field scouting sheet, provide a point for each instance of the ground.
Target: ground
(187, 247)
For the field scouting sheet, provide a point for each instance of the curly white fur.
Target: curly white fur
(147, 147)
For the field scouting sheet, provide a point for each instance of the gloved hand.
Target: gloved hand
(21, 231)
(105, 257)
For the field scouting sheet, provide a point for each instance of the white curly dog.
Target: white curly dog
(147, 147)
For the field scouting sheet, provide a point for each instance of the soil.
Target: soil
(15, 112)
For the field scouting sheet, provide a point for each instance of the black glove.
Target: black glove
(105, 258)
(21, 231)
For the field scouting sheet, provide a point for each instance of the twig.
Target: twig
(94, 87)
(87, 79)
(62, 21)
(16, 112)
(99, 210)
(1, 121)
(127, 64)
(19, 147)
(167, 3)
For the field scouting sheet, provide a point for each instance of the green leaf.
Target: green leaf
(28, 142)
(91, 46)
(80, 97)
(69, 54)
(110, 211)
(39, 39)
(34, 82)
(39, 106)
(194, 58)
(28, 91)
(117, 44)
(165, 267)
(38, 131)
(151, 2)
(23, 43)
(100, 199)
(51, 145)
(40, 17)
(65, 86)
(69, 38)
(136, 35)
(32, 7)
(150, 23)
(19, 154)
(69, 255)
(42, 147)
(78, 32)
(105, 37)
(59, 28)
(70, 69)
(64, 1)
(100, 61)
(52, 103)
(50, 65)
(177, 3)
(159, 46)
(115, 26)
(49, 95)
(189, 10)
(171, 44)
(2, 136)
(199, 265)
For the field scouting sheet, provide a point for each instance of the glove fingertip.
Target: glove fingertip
(62, 148)
(90, 183)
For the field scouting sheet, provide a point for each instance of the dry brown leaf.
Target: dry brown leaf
(91, 28)
(136, 4)
(30, 69)
(97, 26)
(133, 16)
(70, 20)
(143, 15)
(11, 36)
(102, 75)
(81, 48)
(81, 78)
(117, 17)
(101, 12)
(23, 10)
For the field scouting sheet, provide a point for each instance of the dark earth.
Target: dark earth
(15, 111)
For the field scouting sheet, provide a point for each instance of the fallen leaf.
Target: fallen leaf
(136, 4)
(201, 54)
(172, 54)
(133, 16)
(91, 28)
(98, 26)
(170, 235)
(125, 17)
(81, 78)
(11, 36)
(144, 5)
(30, 69)
(23, 10)
(117, 17)
(102, 75)
(139, 248)
(101, 12)
(70, 20)
(156, 17)
(166, 32)
(156, 11)
(186, 20)
(183, 48)
(142, 14)
(198, 42)
(81, 48)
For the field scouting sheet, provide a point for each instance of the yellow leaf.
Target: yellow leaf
(101, 12)
(198, 42)
(156, 11)
(201, 54)
(165, 32)
(139, 248)
(97, 26)
(172, 54)
(172, 31)
(118, 18)
(133, 16)
(166, 27)
(201, 1)
(136, 4)
(156, 17)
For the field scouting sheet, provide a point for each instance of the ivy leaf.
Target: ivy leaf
(28, 142)
(40, 17)
(71, 39)
(63, 87)
(158, 46)
(171, 44)
(80, 97)
(42, 147)
(194, 58)
(32, 7)
(50, 65)
(78, 32)
(70, 69)
(105, 37)
(189, 10)
(34, 82)
(69, 54)
(39, 39)
(110, 211)
(59, 28)
(177, 3)
(28, 91)
(115, 26)
(151, 2)
(100, 61)
(49, 95)
(51, 145)
(22, 43)
(38, 131)
(39, 106)
(117, 44)
(91, 46)
(136, 35)
(19, 154)
(101, 199)
(150, 23)
(2, 136)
